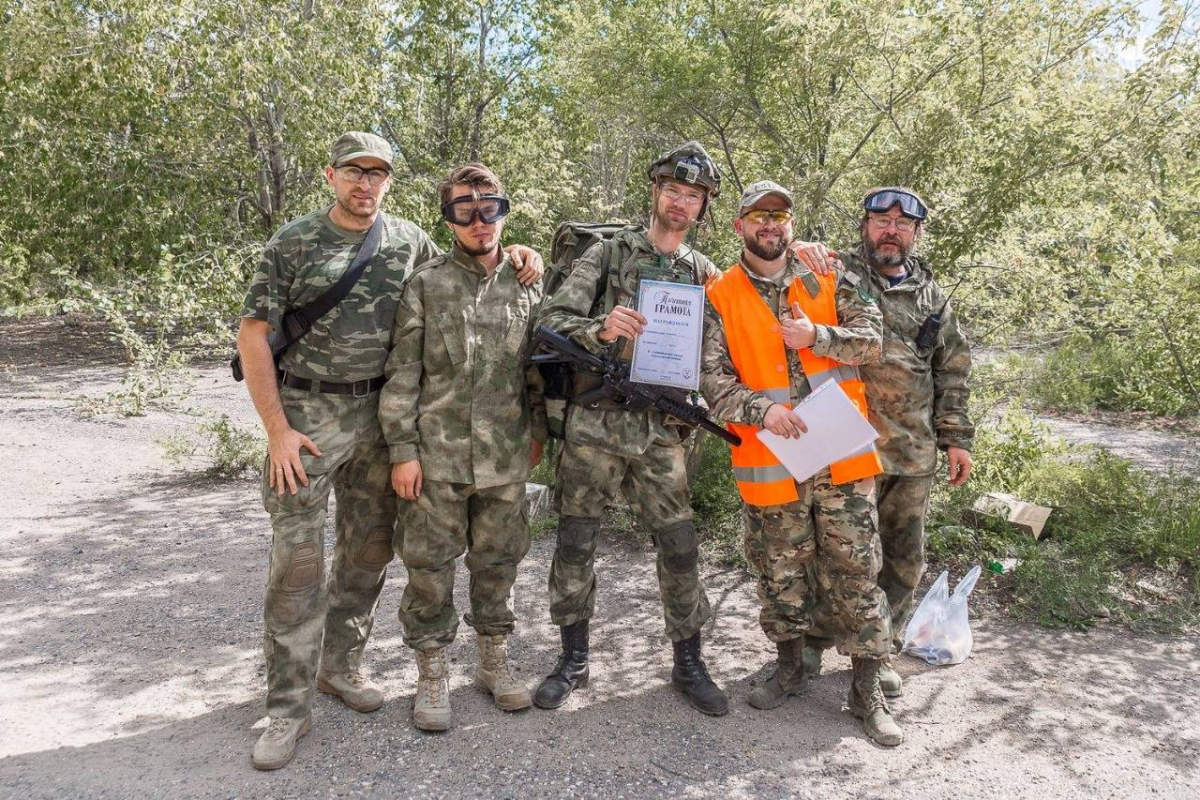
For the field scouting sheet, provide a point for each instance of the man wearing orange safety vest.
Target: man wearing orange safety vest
(774, 331)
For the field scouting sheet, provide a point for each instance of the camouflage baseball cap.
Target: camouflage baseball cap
(356, 144)
(760, 189)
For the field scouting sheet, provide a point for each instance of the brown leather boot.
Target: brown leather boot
(866, 701)
(788, 680)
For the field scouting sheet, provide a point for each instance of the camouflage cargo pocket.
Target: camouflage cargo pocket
(452, 337)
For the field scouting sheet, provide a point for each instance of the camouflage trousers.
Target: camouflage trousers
(829, 532)
(445, 521)
(903, 505)
(655, 485)
(304, 615)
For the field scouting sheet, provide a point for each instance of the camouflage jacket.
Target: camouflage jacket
(306, 257)
(569, 312)
(918, 398)
(855, 340)
(457, 397)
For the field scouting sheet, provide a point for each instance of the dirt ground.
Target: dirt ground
(130, 599)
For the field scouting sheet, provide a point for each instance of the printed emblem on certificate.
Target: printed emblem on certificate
(668, 351)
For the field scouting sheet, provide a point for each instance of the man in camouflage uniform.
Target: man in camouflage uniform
(320, 415)
(610, 449)
(917, 395)
(830, 526)
(464, 423)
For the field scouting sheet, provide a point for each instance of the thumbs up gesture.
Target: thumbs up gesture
(799, 331)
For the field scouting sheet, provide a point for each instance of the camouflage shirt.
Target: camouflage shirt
(306, 257)
(918, 398)
(855, 340)
(457, 397)
(569, 312)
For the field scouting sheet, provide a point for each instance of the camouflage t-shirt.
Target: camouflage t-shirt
(306, 257)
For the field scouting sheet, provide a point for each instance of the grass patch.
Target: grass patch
(1121, 544)
(227, 449)
(1113, 373)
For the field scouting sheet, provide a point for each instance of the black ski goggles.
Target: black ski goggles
(463, 210)
(910, 206)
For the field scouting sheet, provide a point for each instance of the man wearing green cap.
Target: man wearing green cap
(917, 395)
(774, 333)
(610, 449)
(319, 410)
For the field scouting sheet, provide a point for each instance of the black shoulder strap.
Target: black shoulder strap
(297, 323)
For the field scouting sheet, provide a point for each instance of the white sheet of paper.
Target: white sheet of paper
(668, 351)
(836, 430)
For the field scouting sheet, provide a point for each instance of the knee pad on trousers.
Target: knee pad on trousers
(303, 568)
(577, 539)
(677, 543)
(376, 552)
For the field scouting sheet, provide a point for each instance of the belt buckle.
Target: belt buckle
(366, 385)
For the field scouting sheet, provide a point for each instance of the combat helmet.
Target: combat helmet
(689, 163)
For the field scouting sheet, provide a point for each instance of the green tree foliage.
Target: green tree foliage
(1064, 179)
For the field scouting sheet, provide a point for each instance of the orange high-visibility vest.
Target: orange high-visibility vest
(760, 358)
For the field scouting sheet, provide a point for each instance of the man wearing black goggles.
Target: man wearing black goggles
(910, 205)
(488, 208)
(917, 396)
(464, 423)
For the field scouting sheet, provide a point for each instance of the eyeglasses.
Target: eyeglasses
(910, 206)
(354, 174)
(761, 216)
(903, 224)
(463, 210)
(676, 195)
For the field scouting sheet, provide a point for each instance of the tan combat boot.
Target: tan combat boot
(889, 680)
(355, 691)
(788, 680)
(431, 706)
(277, 744)
(866, 702)
(494, 675)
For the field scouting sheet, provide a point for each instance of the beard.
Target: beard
(766, 252)
(666, 223)
(479, 250)
(358, 208)
(878, 259)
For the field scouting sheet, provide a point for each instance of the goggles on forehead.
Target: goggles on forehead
(910, 206)
(462, 210)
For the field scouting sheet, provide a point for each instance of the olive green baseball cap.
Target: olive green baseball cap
(760, 189)
(356, 144)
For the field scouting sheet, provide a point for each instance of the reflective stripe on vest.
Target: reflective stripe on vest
(757, 351)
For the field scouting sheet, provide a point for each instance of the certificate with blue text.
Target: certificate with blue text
(668, 351)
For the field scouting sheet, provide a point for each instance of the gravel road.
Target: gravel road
(130, 596)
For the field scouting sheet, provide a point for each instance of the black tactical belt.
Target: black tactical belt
(358, 388)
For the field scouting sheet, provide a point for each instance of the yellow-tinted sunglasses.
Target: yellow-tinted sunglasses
(761, 216)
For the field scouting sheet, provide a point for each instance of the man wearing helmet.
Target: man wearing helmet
(917, 396)
(610, 449)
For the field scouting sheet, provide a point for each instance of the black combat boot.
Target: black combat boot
(570, 672)
(690, 676)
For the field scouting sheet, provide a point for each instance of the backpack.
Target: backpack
(572, 240)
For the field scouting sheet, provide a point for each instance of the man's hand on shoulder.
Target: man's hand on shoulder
(528, 263)
(406, 479)
(816, 256)
(959, 461)
(287, 469)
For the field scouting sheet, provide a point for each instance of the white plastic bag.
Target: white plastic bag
(939, 631)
